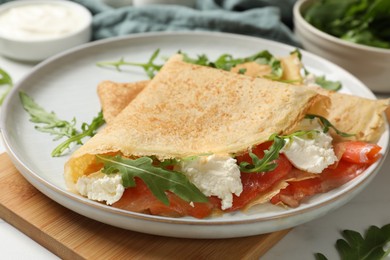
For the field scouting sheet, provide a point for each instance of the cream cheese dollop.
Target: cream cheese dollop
(214, 175)
(101, 187)
(311, 153)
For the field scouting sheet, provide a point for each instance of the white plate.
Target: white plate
(67, 84)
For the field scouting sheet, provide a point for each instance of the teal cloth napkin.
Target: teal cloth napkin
(270, 19)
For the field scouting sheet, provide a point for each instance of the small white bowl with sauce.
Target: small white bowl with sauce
(33, 30)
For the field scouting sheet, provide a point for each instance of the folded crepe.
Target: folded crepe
(190, 110)
(361, 116)
(351, 114)
(114, 97)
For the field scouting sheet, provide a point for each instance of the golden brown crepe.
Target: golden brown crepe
(189, 110)
(360, 116)
(114, 97)
(351, 114)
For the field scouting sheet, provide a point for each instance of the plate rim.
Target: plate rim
(210, 221)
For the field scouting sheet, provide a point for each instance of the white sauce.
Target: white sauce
(214, 175)
(41, 21)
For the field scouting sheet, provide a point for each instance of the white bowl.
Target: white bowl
(370, 64)
(33, 30)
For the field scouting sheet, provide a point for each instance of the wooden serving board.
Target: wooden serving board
(73, 236)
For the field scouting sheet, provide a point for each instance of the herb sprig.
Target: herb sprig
(87, 130)
(227, 62)
(5, 80)
(319, 80)
(149, 67)
(224, 62)
(156, 178)
(267, 163)
(327, 125)
(357, 247)
(48, 122)
(328, 84)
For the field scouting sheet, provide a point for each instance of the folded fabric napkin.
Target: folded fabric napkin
(270, 19)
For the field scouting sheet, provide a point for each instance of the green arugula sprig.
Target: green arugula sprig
(5, 80)
(267, 163)
(156, 178)
(355, 246)
(227, 62)
(224, 62)
(319, 80)
(327, 125)
(48, 122)
(328, 84)
(149, 67)
(87, 130)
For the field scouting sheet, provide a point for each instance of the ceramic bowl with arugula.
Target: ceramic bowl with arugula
(352, 34)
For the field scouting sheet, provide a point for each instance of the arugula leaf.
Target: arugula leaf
(224, 62)
(201, 59)
(242, 71)
(319, 80)
(267, 162)
(5, 79)
(328, 84)
(298, 53)
(157, 179)
(327, 125)
(277, 70)
(227, 62)
(86, 130)
(50, 123)
(355, 246)
(149, 67)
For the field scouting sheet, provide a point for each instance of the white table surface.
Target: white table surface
(370, 207)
